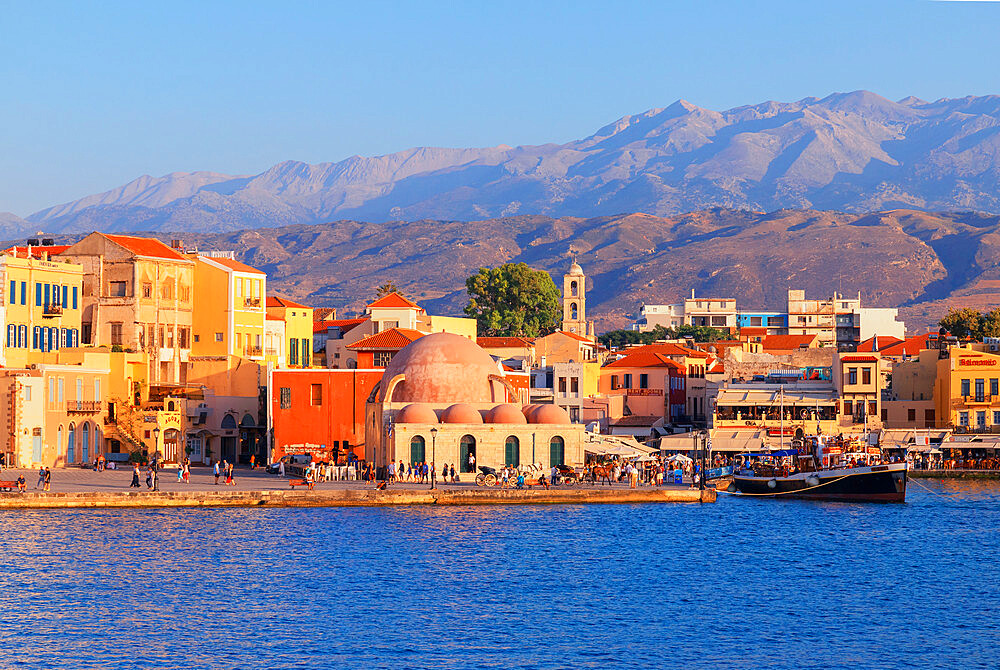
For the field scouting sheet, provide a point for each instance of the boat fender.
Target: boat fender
(772, 483)
(812, 481)
(732, 488)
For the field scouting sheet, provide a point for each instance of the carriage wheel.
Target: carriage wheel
(480, 479)
(491, 480)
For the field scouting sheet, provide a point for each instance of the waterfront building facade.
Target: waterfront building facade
(228, 320)
(295, 348)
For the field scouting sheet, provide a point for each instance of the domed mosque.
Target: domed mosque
(442, 398)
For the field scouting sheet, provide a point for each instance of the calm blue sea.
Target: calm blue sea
(744, 583)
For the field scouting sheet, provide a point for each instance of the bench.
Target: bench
(302, 482)
(8, 486)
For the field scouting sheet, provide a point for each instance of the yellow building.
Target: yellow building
(41, 306)
(967, 391)
(228, 309)
(298, 333)
(137, 296)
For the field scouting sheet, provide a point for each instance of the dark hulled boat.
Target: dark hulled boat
(869, 483)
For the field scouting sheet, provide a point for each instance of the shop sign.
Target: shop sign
(644, 392)
(977, 362)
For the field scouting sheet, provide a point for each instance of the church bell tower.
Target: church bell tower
(575, 302)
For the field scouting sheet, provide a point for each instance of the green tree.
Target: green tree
(385, 289)
(621, 338)
(990, 324)
(513, 299)
(963, 323)
(700, 333)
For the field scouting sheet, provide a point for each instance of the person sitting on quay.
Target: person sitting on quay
(22, 485)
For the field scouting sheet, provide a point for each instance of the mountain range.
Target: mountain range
(923, 262)
(851, 152)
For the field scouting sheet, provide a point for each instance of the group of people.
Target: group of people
(419, 473)
(224, 469)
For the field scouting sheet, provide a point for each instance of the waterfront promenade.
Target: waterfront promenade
(77, 487)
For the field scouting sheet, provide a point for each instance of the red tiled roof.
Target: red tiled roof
(751, 331)
(146, 246)
(275, 301)
(884, 342)
(859, 358)
(645, 359)
(344, 324)
(505, 342)
(394, 338)
(36, 252)
(786, 342)
(393, 300)
(911, 346)
(234, 265)
(268, 317)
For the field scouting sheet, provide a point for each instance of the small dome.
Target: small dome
(506, 414)
(416, 413)
(461, 413)
(528, 410)
(575, 269)
(442, 368)
(549, 414)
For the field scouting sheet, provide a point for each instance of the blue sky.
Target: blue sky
(93, 95)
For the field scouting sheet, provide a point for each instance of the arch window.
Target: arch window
(572, 289)
(467, 447)
(512, 451)
(557, 451)
(85, 444)
(573, 311)
(418, 450)
(228, 422)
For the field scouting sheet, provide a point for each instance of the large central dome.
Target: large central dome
(442, 368)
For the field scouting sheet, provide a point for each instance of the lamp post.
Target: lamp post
(156, 449)
(704, 445)
(434, 434)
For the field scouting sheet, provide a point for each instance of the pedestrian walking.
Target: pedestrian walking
(41, 477)
(229, 475)
(48, 479)
(135, 478)
(149, 477)
(216, 470)
(392, 472)
(180, 474)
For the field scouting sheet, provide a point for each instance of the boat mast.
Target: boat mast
(781, 407)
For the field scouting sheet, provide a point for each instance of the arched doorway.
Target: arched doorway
(512, 451)
(557, 451)
(467, 447)
(418, 450)
(171, 445)
(228, 446)
(248, 439)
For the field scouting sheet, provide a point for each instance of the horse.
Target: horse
(599, 472)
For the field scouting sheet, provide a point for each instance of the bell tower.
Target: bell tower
(575, 302)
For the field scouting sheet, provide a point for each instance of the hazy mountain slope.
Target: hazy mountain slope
(852, 152)
(923, 262)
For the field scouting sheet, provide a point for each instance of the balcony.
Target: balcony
(252, 351)
(980, 399)
(251, 303)
(52, 309)
(84, 406)
(976, 430)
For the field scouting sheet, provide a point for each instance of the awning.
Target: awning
(746, 397)
(737, 440)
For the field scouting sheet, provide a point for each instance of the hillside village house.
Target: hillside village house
(137, 295)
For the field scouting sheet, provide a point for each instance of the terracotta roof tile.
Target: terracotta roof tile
(645, 359)
(883, 342)
(344, 324)
(668, 349)
(36, 252)
(581, 338)
(146, 246)
(859, 358)
(393, 300)
(394, 338)
(786, 342)
(275, 301)
(908, 347)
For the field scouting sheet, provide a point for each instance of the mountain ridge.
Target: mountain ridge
(853, 151)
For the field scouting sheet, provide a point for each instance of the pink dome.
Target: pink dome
(461, 413)
(528, 410)
(549, 414)
(506, 414)
(443, 368)
(416, 413)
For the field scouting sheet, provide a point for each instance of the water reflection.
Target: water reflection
(742, 583)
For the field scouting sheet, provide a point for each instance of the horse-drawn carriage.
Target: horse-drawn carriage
(567, 476)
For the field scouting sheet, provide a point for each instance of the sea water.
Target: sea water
(743, 583)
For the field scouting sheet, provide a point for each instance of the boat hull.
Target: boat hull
(886, 483)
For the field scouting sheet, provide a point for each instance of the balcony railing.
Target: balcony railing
(52, 309)
(979, 399)
(254, 351)
(976, 430)
(252, 303)
(84, 405)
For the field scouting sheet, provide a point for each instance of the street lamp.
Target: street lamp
(434, 434)
(156, 449)
(704, 445)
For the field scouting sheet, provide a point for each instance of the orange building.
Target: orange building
(320, 412)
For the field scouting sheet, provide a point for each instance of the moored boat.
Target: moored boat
(818, 476)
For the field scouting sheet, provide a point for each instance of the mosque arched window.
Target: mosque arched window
(512, 451)
(557, 451)
(418, 450)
